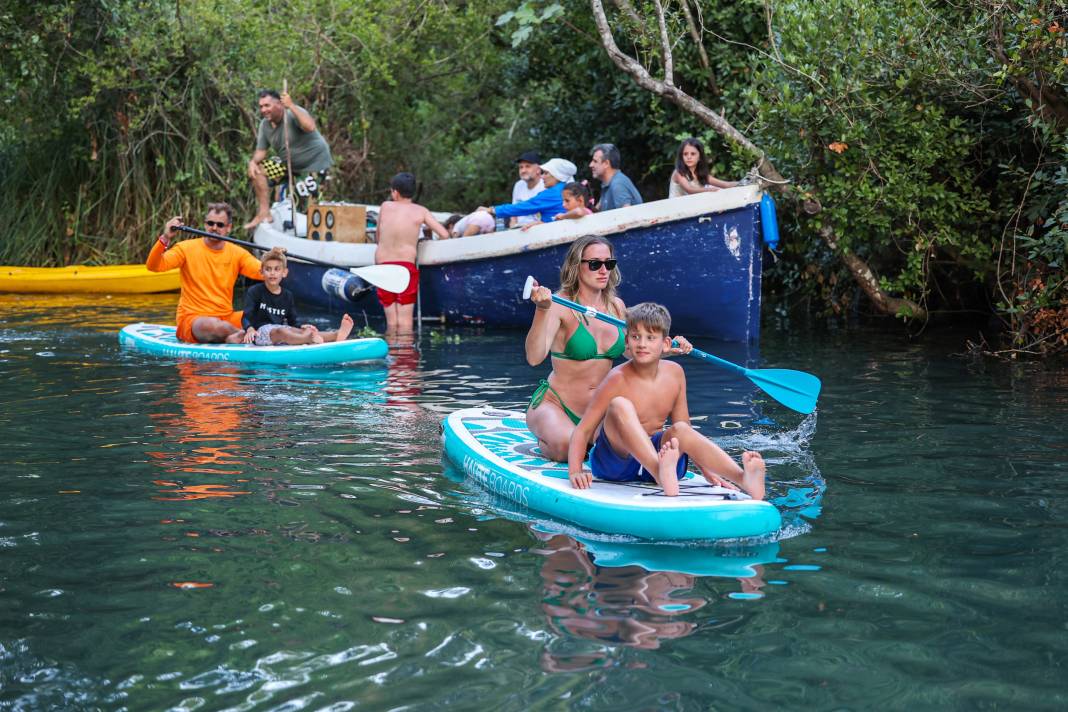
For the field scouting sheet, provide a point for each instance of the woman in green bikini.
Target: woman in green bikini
(582, 349)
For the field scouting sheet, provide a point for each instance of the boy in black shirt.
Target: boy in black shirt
(270, 312)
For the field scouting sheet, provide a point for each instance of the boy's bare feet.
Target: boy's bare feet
(753, 477)
(260, 217)
(669, 462)
(345, 329)
(236, 337)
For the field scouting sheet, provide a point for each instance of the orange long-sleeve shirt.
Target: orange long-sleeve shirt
(207, 276)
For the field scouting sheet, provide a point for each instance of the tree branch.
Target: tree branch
(675, 95)
(665, 45)
(702, 54)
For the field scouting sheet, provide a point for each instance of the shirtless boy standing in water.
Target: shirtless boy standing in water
(400, 222)
(633, 401)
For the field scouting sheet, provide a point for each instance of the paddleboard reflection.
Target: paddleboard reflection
(602, 597)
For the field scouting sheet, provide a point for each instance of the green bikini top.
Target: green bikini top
(583, 347)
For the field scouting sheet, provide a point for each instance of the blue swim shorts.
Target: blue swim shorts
(607, 465)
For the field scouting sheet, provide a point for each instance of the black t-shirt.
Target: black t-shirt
(262, 307)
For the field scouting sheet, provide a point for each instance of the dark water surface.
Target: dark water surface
(202, 536)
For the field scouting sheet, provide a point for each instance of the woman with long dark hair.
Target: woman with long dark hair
(691, 174)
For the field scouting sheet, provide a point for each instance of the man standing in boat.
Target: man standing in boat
(307, 148)
(208, 267)
(617, 190)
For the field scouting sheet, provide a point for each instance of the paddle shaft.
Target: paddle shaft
(254, 246)
(289, 161)
(794, 389)
(615, 321)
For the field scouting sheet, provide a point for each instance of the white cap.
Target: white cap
(561, 169)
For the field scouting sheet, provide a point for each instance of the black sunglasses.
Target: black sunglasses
(595, 265)
(212, 223)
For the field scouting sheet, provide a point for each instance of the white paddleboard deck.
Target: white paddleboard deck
(495, 448)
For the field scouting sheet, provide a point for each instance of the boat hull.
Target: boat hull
(699, 255)
(79, 279)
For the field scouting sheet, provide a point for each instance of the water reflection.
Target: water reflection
(212, 423)
(97, 312)
(602, 597)
(608, 607)
(404, 384)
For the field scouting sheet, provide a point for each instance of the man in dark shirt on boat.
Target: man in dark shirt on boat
(307, 148)
(617, 191)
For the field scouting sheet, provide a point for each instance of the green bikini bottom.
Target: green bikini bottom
(539, 396)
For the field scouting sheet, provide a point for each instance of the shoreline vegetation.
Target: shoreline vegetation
(925, 148)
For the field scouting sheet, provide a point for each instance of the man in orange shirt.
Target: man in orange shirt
(208, 269)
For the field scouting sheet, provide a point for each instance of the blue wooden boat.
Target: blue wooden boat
(699, 255)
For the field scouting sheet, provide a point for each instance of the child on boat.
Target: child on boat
(270, 311)
(691, 174)
(631, 405)
(575, 197)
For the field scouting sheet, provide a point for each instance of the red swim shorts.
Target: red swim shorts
(185, 324)
(408, 295)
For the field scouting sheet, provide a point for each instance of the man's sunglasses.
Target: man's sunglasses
(212, 223)
(595, 265)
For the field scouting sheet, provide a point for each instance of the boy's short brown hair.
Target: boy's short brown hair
(654, 317)
(275, 254)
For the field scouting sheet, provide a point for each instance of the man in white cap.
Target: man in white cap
(555, 174)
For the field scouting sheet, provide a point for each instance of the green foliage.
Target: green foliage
(867, 130)
(527, 17)
(119, 113)
(441, 337)
(364, 332)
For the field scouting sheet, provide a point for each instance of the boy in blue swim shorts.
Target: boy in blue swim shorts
(631, 406)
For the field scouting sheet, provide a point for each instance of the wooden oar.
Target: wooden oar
(796, 390)
(392, 278)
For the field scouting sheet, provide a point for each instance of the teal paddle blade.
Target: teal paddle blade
(796, 390)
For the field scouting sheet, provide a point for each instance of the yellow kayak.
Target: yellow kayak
(114, 279)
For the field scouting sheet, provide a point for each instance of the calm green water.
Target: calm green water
(198, 536)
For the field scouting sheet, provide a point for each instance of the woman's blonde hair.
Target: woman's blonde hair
(569, 271)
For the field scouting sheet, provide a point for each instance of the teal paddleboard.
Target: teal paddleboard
(496, 450)
(161, 341)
